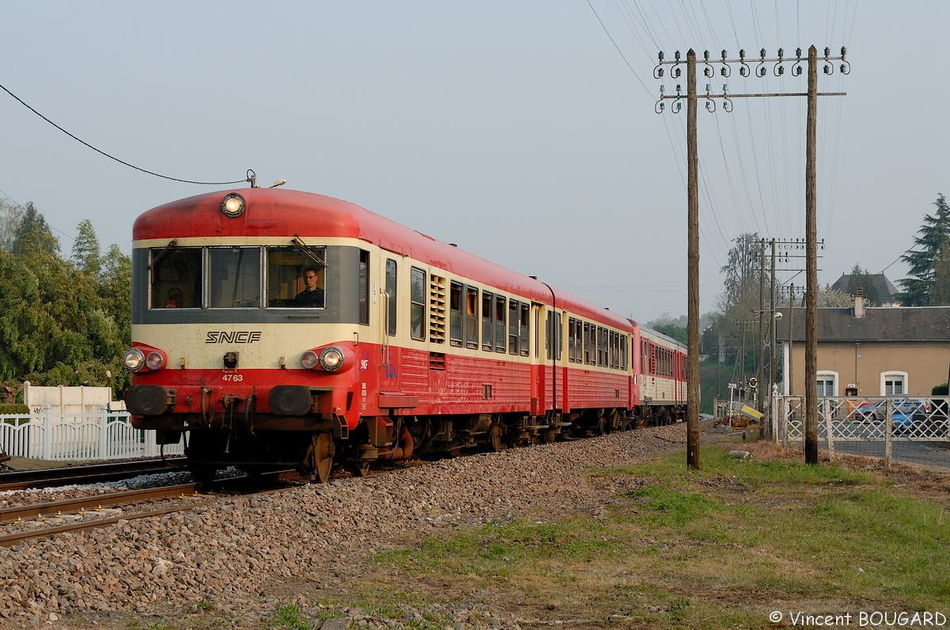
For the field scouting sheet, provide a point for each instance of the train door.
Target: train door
(538, 389)
(554, 382)
(635, 379)
(388, 321)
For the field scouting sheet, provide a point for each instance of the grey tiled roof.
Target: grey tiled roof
(885, 290)
(924, 323)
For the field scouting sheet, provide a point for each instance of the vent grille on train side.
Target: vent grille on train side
(436, 309)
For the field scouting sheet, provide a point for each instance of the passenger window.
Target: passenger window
(471, 317)
(525, 318)
(573, 340)
(390, 297)
(499, 323)
(455, 314)
(513, 321)
(601, 346)
(613, 349)
(587, 345)
(554, 335)
(487, 338)
(417, 304)
(362, 291)
(176, 278)
(623, 352)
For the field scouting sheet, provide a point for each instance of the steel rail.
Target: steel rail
(78, 505)
(10, 540)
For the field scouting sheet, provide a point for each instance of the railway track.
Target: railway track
(72, 515)
(95, 473)
(75, 514)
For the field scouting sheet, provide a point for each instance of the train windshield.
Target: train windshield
(295, 277)
(235, 277)
(176, 278)
(231, 277)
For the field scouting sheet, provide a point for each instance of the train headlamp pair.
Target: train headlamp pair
(329, 359)
(135, 360)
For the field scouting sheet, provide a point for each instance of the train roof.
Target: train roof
(650, 332)
(281, 212)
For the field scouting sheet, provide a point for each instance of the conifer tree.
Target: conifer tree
(929, 281)
(86, 254)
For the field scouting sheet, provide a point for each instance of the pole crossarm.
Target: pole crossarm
(725, 69)
(745, 70)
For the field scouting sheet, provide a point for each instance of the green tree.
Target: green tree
(940, 293)
(739, 302)
(86, 254)
(62, 323)
(10, 216)
(741, 284)
(33, 236)
(928, 263)
(675, 329)
(25, 325)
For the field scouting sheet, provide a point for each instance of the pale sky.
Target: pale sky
(522, 130)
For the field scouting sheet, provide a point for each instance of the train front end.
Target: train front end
(248, 309)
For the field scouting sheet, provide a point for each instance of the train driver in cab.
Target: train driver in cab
(312, 295)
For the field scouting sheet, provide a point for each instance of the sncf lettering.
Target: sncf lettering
(233, 336)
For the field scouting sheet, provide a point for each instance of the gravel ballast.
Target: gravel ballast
(231, 552)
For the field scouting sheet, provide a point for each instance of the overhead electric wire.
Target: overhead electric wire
(112, 157)
(736, 203)
(632, 20)
(620, 52)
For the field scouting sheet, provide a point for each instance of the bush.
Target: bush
(940, 390)
(9, 408)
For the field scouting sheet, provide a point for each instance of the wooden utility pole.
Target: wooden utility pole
(760, 367)
(772, 345)
(692, 255)
(811, 263)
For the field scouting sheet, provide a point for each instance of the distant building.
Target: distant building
(880, 291)
(883, 351)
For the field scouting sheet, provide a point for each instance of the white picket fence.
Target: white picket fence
(57, 436)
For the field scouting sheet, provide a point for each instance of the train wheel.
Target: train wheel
(321, 456)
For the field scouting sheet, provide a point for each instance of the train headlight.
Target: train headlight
(154, 360)
(309, 359)
(133, 360)
(233, 205)
(331, 359)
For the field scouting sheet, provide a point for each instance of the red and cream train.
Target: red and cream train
(406, 345)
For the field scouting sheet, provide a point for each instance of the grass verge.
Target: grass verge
(721, 547)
